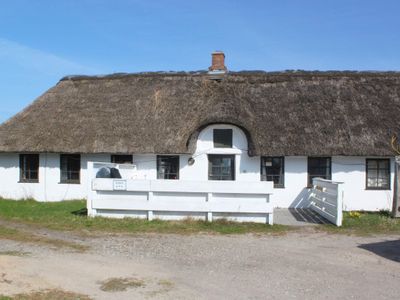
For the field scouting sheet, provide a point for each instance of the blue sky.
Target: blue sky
(42, 41)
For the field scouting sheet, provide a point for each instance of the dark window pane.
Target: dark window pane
(319, 167)
(70, 167)
(372, 163)
(221, 167)
(29, 167)
(383, 164)
(222, 138)
(272, 169)
(122, 159)
(167, 167)
(378, 174)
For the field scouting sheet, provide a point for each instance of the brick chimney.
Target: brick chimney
(218, 62)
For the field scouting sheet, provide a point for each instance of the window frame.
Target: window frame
(309, 181)
(263, 177)
(114, 159)
(233, 166)
(22, 170)
(388, 187)
(70, 181)
(219, 145)
(159, 158)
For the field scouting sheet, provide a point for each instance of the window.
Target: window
(70, 165)
(29, 168)
(221, 167)
(378, 174)
(222, 138)
(272, 169)
(167, 167)
(122, 159)
(319, 167)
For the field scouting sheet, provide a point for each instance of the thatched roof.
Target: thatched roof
(287, 113)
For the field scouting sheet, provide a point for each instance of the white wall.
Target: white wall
(347, 169)
(295, 193)
(247, 168)
(350, 170)
(49, 187)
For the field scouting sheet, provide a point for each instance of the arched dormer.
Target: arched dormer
(242, 139)
(220, 152)
(221, 139)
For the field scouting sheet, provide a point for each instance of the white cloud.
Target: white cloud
(40, 61)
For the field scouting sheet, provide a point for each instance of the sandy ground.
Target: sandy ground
(305, 265)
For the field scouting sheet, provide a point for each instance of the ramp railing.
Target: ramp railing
(327, 200)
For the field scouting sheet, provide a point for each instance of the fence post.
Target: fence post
(90, 192)
(149, 212)
(339, 207)
(271, 219)
(396, 190)
(209, 216)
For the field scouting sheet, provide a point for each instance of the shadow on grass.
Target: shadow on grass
(80, 212)
(387, 249)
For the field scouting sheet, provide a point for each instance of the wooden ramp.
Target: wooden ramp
(297, 217)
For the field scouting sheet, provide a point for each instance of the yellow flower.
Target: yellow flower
(354, 214)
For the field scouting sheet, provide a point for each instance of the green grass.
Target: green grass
(366, 223)
(71, 216)
(21, 236)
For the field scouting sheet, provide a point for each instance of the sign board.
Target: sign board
(119, 185)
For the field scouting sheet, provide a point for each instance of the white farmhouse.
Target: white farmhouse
(216, 126)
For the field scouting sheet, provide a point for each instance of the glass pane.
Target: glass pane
(222, 138)
(319, 167)
(372, 173)
(372, 182)
(372, 163)
(272, 169)
(70, 165)
(221, 167)
(383, 164)
(378, 173)
(29, 167)
(122, 159)
(168, 167)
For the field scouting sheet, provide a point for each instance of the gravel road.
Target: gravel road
(301, 265)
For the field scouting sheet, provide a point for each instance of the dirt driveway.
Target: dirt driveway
(302, 265)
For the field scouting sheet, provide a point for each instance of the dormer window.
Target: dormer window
(222, 138)
(122, 159)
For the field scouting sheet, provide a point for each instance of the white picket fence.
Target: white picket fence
(327, 200)
(177, 199)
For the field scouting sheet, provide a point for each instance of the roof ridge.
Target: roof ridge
(119, 75)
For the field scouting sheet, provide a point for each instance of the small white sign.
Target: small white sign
(119, 185)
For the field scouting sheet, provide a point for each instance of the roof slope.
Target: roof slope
(288, 113)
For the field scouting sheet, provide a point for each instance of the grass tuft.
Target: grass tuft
(366, 223)
(120, 284)
(47, 295)
(14, 253)
(21, 236)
